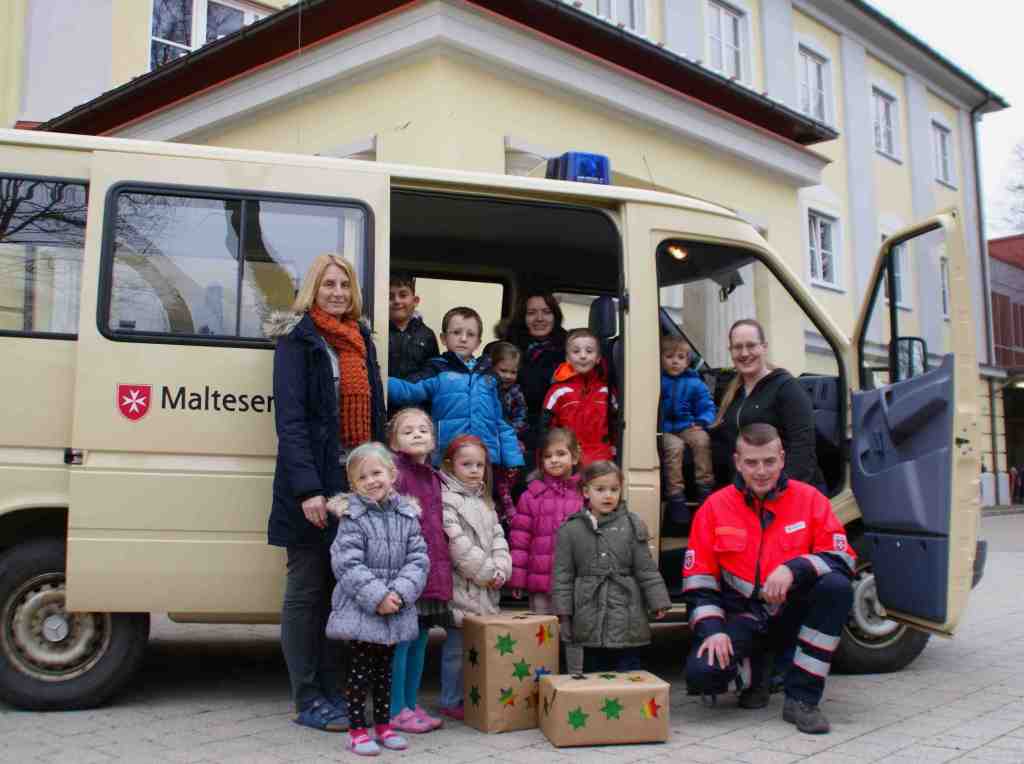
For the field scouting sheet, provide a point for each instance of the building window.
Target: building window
(821, 236)
(885, 123)
(630, 14)
(725, 39)
(942, 140)
(813, 84)
(899, 269)
(944, 284)
(181, 26)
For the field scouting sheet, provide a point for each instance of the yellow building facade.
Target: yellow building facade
(466, 85)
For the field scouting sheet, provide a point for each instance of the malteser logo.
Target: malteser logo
(133, 401)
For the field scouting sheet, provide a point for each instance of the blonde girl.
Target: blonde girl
(380, 560)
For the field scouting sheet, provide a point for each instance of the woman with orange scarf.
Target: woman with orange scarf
(328, 399)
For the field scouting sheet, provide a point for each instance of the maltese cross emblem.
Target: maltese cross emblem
(133, 401)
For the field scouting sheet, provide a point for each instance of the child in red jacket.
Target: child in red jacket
(580, 399)
(552, 495)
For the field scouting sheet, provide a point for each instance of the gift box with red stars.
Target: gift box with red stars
(504, 657)
(598, 709)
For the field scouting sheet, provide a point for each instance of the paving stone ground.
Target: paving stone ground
(219, 694)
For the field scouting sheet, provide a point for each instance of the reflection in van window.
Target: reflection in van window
(42, 233)
(177, 267)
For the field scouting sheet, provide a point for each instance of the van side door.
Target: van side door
(914, 458)
(173, 399)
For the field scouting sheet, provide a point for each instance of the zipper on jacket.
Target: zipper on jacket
(760, 546)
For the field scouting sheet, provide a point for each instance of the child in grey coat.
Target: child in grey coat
(380, 560)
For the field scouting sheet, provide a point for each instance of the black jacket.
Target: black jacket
(307, 421)
(778, 400)
(536, 369)
(409, 350)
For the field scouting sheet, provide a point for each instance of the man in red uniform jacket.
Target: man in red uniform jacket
(768, 561)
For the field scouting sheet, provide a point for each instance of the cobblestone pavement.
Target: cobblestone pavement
(219, 694)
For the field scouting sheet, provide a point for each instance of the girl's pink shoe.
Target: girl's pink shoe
(433, 721)
(409, 721)
(454, 712)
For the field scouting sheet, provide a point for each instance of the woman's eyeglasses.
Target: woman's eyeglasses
(745, 347)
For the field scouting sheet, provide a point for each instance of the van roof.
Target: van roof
(402, 174)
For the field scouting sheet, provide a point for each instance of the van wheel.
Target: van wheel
(871, 643)
(51, 659)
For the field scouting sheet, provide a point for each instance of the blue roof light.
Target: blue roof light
(581, 167)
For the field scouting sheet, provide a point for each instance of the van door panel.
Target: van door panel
(169, 509)
(914, 455)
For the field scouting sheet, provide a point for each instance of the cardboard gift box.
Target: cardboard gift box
(597, 709)
(503, 658)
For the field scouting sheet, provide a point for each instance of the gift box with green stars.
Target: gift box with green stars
(598, 709)
(504, 656)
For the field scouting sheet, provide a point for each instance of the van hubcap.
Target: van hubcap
(41, 639)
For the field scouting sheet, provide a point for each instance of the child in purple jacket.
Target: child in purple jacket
(411, 437)
(551, 497)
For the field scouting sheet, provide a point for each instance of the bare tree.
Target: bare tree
(1014, 215)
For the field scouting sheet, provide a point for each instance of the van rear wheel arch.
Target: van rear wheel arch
(22, 525)
(51, 659)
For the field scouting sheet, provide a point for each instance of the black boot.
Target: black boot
(807, 718)
(758, 693)
(703, 491)
(677, 517)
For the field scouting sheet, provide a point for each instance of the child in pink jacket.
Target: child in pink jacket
(551, 497)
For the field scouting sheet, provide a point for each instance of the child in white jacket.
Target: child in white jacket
(480, 556)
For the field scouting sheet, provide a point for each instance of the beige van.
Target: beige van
(137, 446)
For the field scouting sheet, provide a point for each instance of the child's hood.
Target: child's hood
(452, 483)
(565, 372)
(556, 485)
(353, 505)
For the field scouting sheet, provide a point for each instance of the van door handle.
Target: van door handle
(72, 456)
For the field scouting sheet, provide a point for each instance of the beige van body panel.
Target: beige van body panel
(169, 512)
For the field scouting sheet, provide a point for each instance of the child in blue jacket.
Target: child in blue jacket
(464, 398)
(686, 410)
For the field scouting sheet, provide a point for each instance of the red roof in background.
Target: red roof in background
(1008, 249)
(307, 24)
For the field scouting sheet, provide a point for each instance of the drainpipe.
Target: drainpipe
(986, 290)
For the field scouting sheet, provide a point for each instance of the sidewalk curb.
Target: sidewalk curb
(1000, 511)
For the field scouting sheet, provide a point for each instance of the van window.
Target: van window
(212, 267)
(42, 233)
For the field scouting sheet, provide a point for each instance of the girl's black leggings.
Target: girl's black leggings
(369, 669)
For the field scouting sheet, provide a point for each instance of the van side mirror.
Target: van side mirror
(911, 356)
(604, 317)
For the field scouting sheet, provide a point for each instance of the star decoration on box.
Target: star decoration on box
(474, 657)
(545, 633)
(474, 695)
(578, 719)
(609, 677)
(505, 644)
(520, 669)
(539, 672)
(507, 696)
(611, 708)
(650, 709)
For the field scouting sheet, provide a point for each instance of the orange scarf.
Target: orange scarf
(353, 378)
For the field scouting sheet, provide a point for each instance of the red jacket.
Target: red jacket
(737, 541)
(579, 402)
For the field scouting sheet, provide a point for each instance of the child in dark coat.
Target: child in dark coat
(379, 558)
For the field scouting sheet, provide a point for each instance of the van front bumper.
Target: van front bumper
(980, 556)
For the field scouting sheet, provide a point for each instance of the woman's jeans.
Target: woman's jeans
(407, 673)
(451, 668)
(313, 660)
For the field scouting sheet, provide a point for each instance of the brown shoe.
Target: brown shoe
(807, 718)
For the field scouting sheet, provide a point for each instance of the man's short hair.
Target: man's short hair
(403, 279)
(462, 312)
(758, 434)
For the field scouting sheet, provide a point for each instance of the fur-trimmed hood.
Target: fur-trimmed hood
(281, 322)
(353, 505)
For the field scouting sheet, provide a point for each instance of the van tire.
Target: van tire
(869, 643)
(50, 659)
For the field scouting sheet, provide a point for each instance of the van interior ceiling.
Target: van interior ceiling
(561, 247)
